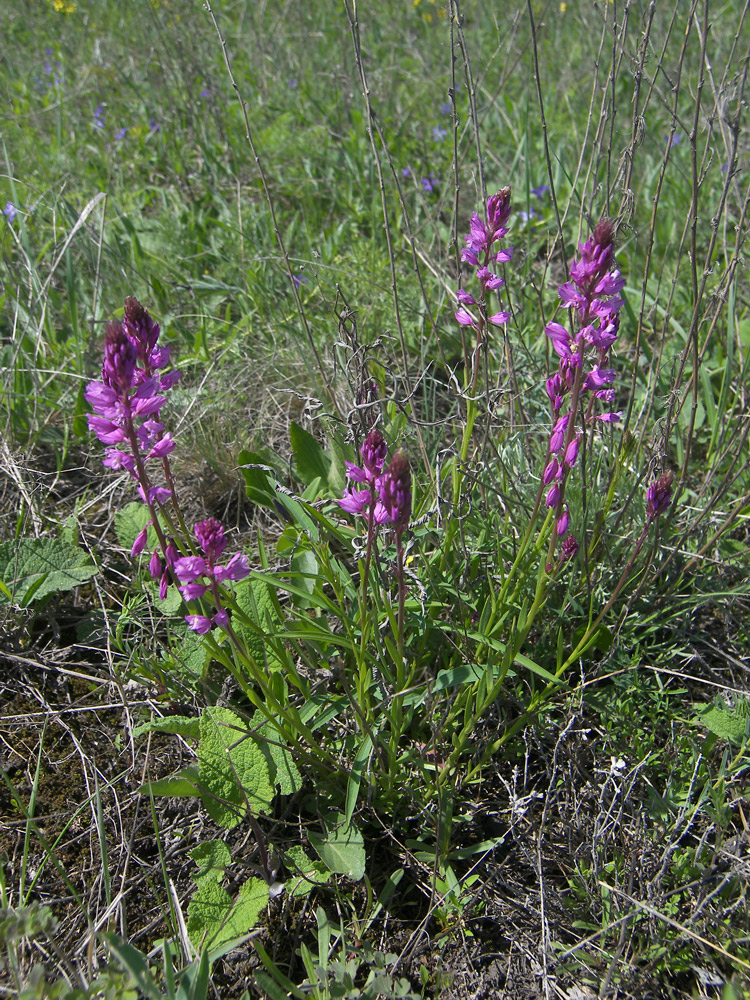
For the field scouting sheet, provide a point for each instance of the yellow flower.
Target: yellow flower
(563, 8)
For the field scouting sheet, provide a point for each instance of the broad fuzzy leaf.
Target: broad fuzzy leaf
(214, 917)
(212, 857)
(187, 726)
(727, 724)
(34, 568)
(233, 769)
(239, 767)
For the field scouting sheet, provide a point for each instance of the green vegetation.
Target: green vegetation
(496, 744)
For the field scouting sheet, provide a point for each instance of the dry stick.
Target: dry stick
(411, 241)
(699, 292)
(455, 17)
(617, 57)
(628, 156)
(695, 319)
(584, 215)
(545, 139)
(652, 228)
(269, 202)
(676, 924)
(371, 129)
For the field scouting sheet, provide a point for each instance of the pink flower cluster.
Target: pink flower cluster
(387, 493)
(199, 574)
(128, 399)
(480, 252)
(127, 403)
(595, 303)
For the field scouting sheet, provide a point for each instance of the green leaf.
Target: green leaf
(267, 983)
(33, 568)
(254, 599)
(337, 471)
(194, 981)
(305, 568)
(727, 724)
(214, 917)
(305, 873)
(212, 858)
(130, 520)
(226, 769)
(171, 604)
(179, 725)
(341, 848)
(190, 652)
(313, 462)
(134, 963)
(185, 784)
(355, 778)
(259, 482)
(281, 767)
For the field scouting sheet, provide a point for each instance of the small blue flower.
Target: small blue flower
(205, 93)
(525, 216)
(154, 126)
(299, 279)
(121, 133)
(98, 120)
(439, 133)
(429, 183)
(10, 211)
(541, 190)
(406, 172)
(446, 108)
(676, 140)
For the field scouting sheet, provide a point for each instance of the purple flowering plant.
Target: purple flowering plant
(383, 498)
(126, 417)
(584, 379)
(582, 397)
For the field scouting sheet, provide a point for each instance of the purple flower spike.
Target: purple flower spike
(210, 536)
(551, 472)
(374, 450)
(236, 569)
(480, 252)
(659, 496)
(594, 303)
(569, 548)
(120, 359)
(141, 329)
(395, 490)
(465, 318)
